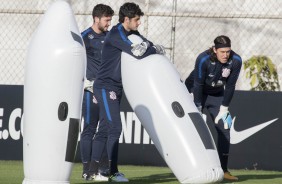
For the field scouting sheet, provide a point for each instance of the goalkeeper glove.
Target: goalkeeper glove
(88, 85)
(159, 49)
(225, 116)
(139, 49)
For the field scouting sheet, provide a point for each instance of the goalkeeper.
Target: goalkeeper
(108, 85)
(93, 38)
(213, 83)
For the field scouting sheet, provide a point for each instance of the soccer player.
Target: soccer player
(93, 38)
(213, 83)
(108, 84)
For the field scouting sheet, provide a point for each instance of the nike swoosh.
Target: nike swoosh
(238, 136)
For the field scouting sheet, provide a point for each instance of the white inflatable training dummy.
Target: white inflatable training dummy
(166, 110)
(53, 89)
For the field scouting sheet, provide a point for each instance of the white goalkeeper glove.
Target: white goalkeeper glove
(88, 85)
(139, 49)
(225, 116)
(159, 49)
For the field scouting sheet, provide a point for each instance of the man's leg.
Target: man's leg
(99, 168)
(111, 111)
(101, 136)
(90, 114)
(223, 140)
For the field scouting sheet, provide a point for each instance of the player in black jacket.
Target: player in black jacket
(213, 83)
(93, 38)
(108, 84)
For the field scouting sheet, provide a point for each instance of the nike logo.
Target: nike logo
(238, 136)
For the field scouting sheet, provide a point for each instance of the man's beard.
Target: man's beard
(103, 29)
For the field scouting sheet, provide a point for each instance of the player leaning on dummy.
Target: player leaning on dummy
(108, 85)
(212, 83)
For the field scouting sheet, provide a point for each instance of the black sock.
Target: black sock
(224, 162)
(93, 168)
(86, 167)
(113, 167)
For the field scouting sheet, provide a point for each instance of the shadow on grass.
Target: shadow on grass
(243, 178)
(156, 178)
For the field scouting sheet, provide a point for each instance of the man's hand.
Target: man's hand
(225, 116)
(139, 49)
(159, 49)
(88, 85)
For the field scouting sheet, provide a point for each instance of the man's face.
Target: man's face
(222, 54)
(103, 23)
(133, 23)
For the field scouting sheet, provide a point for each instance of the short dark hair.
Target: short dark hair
(222, 41)
(129, 10)
(101, 10)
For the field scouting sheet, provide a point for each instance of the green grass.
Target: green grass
(11, 172)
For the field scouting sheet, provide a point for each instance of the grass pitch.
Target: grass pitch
(11, 172)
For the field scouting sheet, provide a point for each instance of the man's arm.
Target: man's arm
(199, 78)
(120, 41)
(231, 80)
(223, 113)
